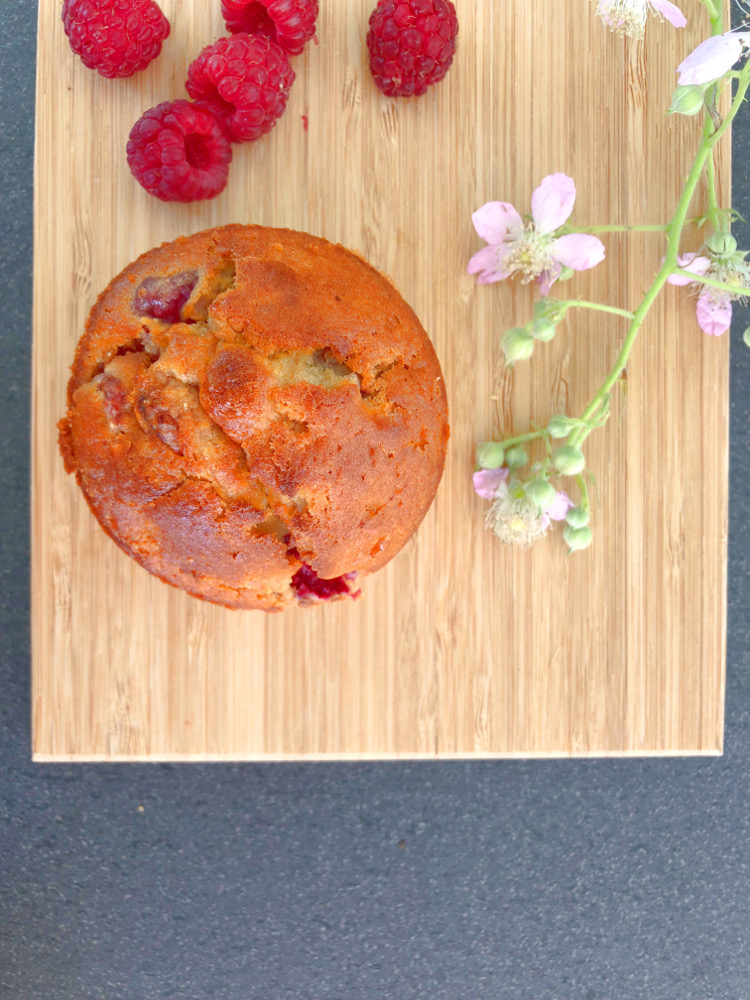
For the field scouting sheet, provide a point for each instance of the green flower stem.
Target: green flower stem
(715, 16)
(737, 102)
(583, 490)
(713, 12)
(600, 307)
(713, 214)
(521, 438)
(713, 207)
(704, 279)
(669, 265)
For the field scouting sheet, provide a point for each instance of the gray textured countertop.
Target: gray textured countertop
(572, 880)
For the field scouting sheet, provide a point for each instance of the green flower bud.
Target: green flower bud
(568, 460)
(577, 538)
(543, 329)
(514, 457)
(577, 517)
(746, 336)
(566, 273)
(721, 245)
(489, 455)
(687, 100)
(549, 309)
(540, 492)
(517, 345)
(560, 426)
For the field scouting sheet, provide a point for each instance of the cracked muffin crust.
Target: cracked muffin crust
(256, 416)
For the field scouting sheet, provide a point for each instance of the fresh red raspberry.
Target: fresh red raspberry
(115, 37)
(245, 81)
(289, 23)
(411, 44)
(179, 152)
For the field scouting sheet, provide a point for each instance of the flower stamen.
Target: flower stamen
(624, 17)
(528, 254)
(516, 520)
(628, 17)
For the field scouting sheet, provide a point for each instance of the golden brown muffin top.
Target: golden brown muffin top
(253, 412)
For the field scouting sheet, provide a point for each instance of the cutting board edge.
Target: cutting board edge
(333, 758)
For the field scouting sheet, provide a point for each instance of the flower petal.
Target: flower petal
(559, 506)
(578, 250)
(548, 278)
(487, 482)
(552, 202)
(485, 260)
(714, 314)
(672, 13)
(493, 220)
(689, 262)
(711, 59)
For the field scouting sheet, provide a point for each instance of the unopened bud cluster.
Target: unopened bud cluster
(518, 342)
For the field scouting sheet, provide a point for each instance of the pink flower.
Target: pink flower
(713, 58)
(559, 507)
(533, 250)
(628, 17)
(690, 262)
(487, 482)
(713, 310)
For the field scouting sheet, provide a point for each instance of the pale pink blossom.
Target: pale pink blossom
(713, 58)
(628, 17)
(692, 262)
(559, 507)
(533, 250)
(488, 481)
(713, 308)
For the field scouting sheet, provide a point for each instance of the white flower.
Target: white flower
(516, 520)
(628, 17)
(514, 517)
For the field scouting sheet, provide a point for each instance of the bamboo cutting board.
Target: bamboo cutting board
(460, 647)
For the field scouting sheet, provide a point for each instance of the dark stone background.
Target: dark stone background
(573, 880)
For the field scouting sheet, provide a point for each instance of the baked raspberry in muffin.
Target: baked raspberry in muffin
(256, 416)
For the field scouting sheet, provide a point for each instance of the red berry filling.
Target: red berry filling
(178, 152)
(163, 298)
(244, 80)
(116, 402)
(289, 23)
(308, 586)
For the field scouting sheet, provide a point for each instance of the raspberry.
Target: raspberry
(289, 23)
(179, 152)
(115, 37)
(411, 44)
(244, 80)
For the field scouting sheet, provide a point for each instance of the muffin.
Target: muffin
(256, 416)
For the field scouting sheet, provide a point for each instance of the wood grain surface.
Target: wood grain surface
(461, 647)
